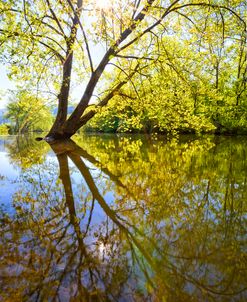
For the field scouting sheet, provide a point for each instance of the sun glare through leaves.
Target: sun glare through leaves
(103, 4)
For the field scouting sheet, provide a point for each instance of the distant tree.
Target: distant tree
(28, 113)
(4, 129)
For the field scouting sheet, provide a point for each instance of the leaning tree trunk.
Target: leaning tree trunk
(64, 128)
(57, 130)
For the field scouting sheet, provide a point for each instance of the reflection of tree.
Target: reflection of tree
(180, 238)
(25, 151)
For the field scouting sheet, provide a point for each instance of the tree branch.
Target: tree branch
(55, 17)
(107, 98)
(84, 36)
(135, 57)
(174, 9)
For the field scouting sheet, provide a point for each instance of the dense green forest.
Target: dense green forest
(135, 66)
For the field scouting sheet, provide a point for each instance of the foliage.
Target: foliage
(180, 93)
(162, 106)
(4, 129)
(28, 113)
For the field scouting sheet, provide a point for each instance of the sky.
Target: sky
(5, 84)
(76, 90)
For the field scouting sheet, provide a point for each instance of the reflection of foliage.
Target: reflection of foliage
(25, 151)
(172, 228)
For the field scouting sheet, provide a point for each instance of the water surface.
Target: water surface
(123, 218)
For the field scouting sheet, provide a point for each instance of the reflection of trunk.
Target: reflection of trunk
(134, 237)
(73, 152)
(84, 256)
(66, 181)
(108, 211)
(65, 177)
(71, 146)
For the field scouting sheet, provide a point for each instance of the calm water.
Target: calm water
(107, 218)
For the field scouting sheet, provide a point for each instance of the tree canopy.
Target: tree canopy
(114, 48)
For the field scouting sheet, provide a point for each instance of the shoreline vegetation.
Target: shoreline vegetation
(217, 132)
(173, 120)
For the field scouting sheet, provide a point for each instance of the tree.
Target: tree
(62, 35)
(27, 113)
(181, 94)
(4, 130)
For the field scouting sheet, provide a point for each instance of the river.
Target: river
(123, 218)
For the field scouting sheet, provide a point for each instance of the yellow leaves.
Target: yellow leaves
(14, 71)
(158, 196)
(4, 130)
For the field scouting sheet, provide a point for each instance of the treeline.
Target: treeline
(26, 112)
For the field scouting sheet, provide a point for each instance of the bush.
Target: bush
(4, 130)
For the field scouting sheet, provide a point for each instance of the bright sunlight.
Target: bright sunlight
(103, 4)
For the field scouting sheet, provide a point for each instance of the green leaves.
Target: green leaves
(4, 130)
(27, 113)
